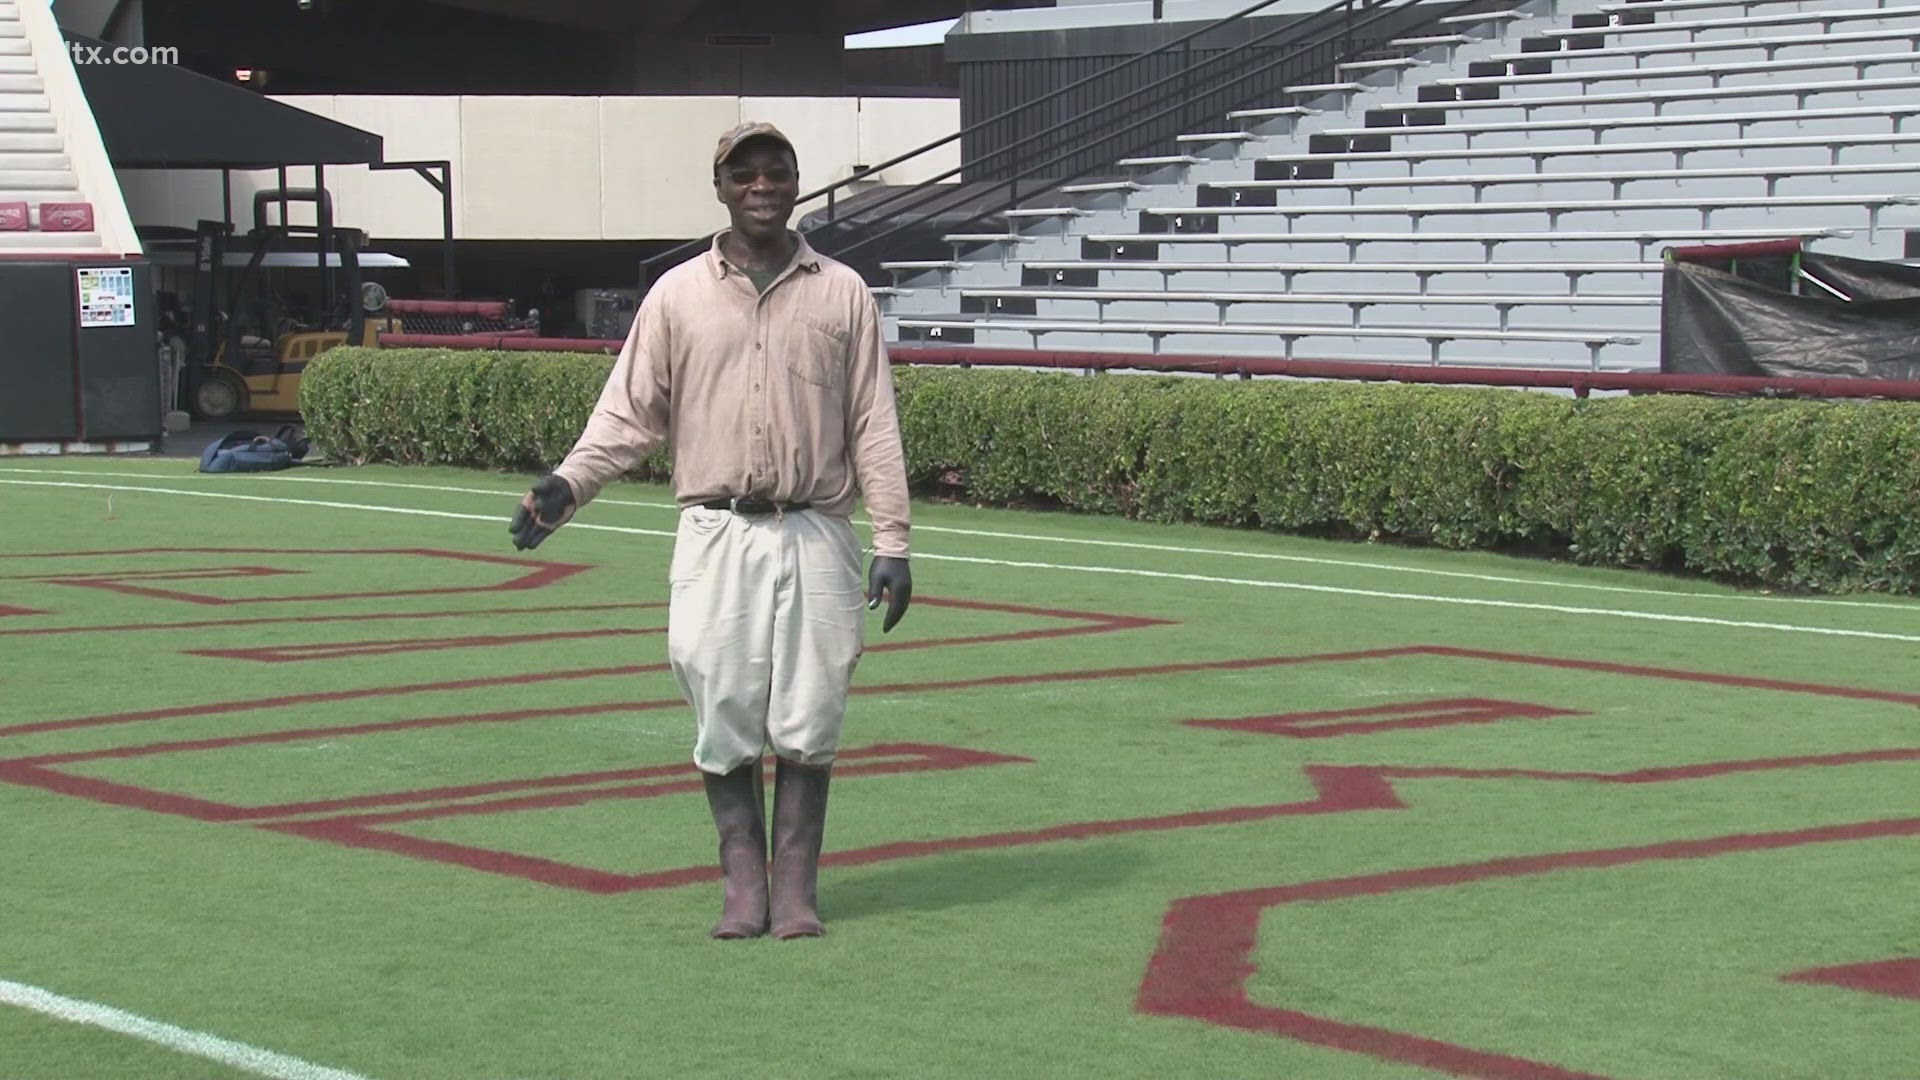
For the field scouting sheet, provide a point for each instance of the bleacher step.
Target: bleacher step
(31, 161)
(52, 241)
(1885, 10)
(1124, 186)
(1269, 114)
(1402, 63)
(15, 180)
(1176, 326)
(1325, 88)
(1216, 137)
(1484, 17)
(35, 198)
(1229, 297)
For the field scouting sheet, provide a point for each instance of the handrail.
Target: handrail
(1182, 74)
(1376, 10)
(685, 250)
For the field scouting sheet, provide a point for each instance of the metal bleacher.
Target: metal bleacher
(1498, 192)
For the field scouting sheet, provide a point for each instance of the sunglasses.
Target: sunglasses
(779, 174)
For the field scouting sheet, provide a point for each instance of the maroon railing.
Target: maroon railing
(1581, 383)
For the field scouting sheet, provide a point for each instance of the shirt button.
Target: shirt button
(756, 346)
(756, 386)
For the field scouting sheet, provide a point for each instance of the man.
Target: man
(760, 365)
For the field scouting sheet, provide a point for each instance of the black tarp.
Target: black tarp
(164, 116)
(1716, 322)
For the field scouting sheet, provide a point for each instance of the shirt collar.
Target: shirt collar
(804, 257)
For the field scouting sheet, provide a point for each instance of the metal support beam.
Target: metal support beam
(325, 245)
(440, 175)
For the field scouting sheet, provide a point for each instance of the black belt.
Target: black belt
(755, 506)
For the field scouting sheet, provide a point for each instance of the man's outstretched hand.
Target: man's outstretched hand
(890, 577)
(542, 510)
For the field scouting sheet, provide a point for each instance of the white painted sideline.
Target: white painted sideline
(198, 1043)
(328, 505)
(1654, 616)
(1651, 616)
(1171, 549)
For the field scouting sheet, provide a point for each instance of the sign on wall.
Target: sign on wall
(106, 296)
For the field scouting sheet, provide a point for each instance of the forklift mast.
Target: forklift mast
(328, 239)
(209, 260)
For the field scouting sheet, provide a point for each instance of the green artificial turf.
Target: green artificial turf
(996, 919)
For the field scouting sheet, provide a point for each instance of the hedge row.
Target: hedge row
(1788, 494)
(519, 411)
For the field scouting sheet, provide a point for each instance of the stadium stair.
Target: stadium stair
(58, 193)
(1498, 195)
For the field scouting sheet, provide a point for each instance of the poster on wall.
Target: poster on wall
(106, 296)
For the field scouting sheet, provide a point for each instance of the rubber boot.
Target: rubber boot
(738, 803)
(799, 824)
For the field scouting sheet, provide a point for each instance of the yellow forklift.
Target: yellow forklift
(253, 331)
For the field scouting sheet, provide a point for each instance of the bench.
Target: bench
(1502, 303)
(963, 330)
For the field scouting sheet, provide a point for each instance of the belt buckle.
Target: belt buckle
(734, 505)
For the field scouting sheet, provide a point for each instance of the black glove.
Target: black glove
(889, 576)
(542, 510)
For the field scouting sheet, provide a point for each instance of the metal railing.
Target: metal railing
(1202, 87)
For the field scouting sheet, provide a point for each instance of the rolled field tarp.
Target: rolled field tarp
(1774, 310)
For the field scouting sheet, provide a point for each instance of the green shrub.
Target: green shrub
(520, 411)
(1800, 495)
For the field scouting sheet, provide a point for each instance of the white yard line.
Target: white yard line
(1651, 616)
(1169, 549)
(198, 1043)
(499, 519)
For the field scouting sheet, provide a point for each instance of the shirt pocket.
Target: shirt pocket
(817, 352)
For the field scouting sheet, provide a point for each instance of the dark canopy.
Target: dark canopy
(164, 116)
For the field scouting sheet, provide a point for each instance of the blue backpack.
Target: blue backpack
(250, 451)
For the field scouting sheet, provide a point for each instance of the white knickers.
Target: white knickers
(767, 621)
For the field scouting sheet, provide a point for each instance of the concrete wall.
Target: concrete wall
(564, 168)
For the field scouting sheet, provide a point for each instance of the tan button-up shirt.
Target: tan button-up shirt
(785, 395)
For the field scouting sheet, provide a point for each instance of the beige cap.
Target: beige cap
(756, 129)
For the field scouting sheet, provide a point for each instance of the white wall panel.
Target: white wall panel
(560, 168)
(890, 127)
(657, 156)
(399, 204)
(529, 168)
